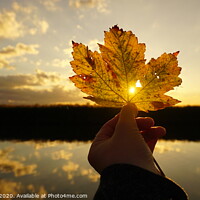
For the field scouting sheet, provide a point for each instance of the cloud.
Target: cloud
(62, 63)
(40, 78)
(19, 8)
(5, 152)
(100, 5)
(93, 44)
(42, 25)
(9, 26)
(18, 50)
(16, 167)
(34, 189)
(36, 24)
(46, 77)
(50, 5)
(42, 191)
(79, 27)
(39, 88)
(41, 144)
(14, 187)
(68, 51)
(71, 169)
(7, 165)
(9, 187)
(16, 81)
(91, 174)
(27, 96)
(171, 146)
(21, 21)
(61, 154)
(10, 52)
(56, 48)
(5, 64)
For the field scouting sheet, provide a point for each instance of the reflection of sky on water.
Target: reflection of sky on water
(62, 167)
(180, 161)
(46, 167)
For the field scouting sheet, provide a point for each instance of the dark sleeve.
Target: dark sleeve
(126, 182)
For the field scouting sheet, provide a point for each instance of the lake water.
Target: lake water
(60, 168)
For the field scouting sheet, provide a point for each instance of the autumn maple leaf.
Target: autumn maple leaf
(118, 74)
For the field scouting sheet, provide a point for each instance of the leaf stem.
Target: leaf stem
(159, 168)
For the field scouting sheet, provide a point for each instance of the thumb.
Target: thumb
(127, 124)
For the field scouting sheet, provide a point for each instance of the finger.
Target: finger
(144, 123)
(152, 135)
(155, 132)
(127, 124)
(107, 129)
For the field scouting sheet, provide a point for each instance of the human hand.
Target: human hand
(125, 139)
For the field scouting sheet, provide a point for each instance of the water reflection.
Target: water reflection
(46, 167)
(180, 161)
(61, 167)
(16, 166)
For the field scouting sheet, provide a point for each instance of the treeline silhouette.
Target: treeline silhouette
(83, 122)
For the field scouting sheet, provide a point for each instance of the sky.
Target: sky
(36, 43)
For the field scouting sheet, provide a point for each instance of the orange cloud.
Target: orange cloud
(9, 187)
(91, 174)
(71, 169)
(57, 155)
(7, 165)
